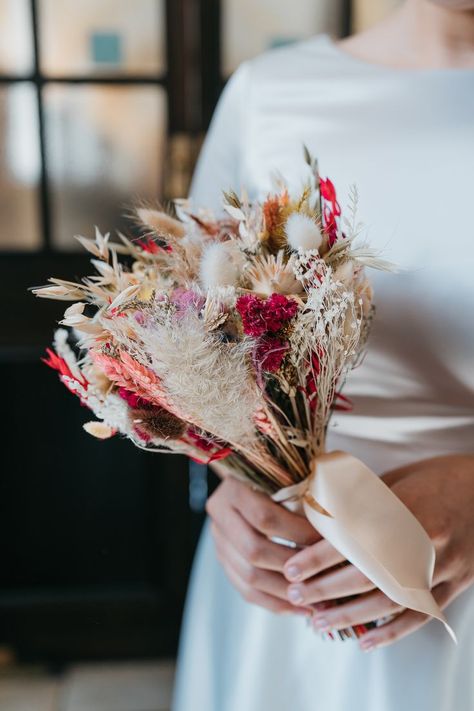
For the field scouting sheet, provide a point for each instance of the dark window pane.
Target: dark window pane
(110, 36)
(16, 39)
(105, 145)
(250, 27)
(19, 168)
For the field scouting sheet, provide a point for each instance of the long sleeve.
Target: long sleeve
(220, 164)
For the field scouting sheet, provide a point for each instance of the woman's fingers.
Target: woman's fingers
(254, 597)
(311, 561)
(252, 546)
(336, 584)
(365, 608)
(249, 592)
(265, 581)
(406, 623)
(266, 516)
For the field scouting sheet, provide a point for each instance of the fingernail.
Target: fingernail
(293, 572)
(321, 624)
(367, 645)
(295, 595)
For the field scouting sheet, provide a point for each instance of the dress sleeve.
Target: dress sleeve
(219, 166)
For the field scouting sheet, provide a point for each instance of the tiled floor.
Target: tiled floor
(131, 686)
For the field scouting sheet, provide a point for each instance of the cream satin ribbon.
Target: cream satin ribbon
(360, 516)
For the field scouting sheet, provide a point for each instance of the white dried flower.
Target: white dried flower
(220, 265)
(98, 247)
(302, 232)
(60, 292)
(126, 295)
(75, 318)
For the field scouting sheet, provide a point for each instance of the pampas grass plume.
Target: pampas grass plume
(160, 222)
(302, 232)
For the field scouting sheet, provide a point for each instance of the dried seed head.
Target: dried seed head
(158, 422)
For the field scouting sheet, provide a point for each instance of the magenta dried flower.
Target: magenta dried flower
(260, 316)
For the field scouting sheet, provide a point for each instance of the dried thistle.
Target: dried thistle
(269, 273)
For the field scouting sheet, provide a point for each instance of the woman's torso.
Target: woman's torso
(406, 139)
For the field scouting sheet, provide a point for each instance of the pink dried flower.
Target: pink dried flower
(127, 373)
(140, 318)
(186, 299)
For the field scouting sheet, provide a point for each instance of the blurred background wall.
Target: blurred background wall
(102, 101)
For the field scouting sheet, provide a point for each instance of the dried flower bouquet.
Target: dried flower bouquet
(224, 337)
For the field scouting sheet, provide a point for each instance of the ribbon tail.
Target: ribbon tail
(364, 520)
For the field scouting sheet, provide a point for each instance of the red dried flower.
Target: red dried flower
(252, 313)
(270, 352)
(328, 191)
(311, 381)
(279, 309)
(133, 400)
(261, 316)
(203, 443)
(330, 227)
(331, 211)
(342, 403)
(151, 246)
(213, 450)
(56, 362)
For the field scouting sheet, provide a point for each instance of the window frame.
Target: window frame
(39, 81)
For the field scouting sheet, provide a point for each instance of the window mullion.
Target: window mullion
(44, 197)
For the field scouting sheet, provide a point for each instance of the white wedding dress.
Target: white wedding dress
(406, 138)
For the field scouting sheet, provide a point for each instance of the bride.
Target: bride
(391, 109)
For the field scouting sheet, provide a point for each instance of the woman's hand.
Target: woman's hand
(440, 493)
(243, 522)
